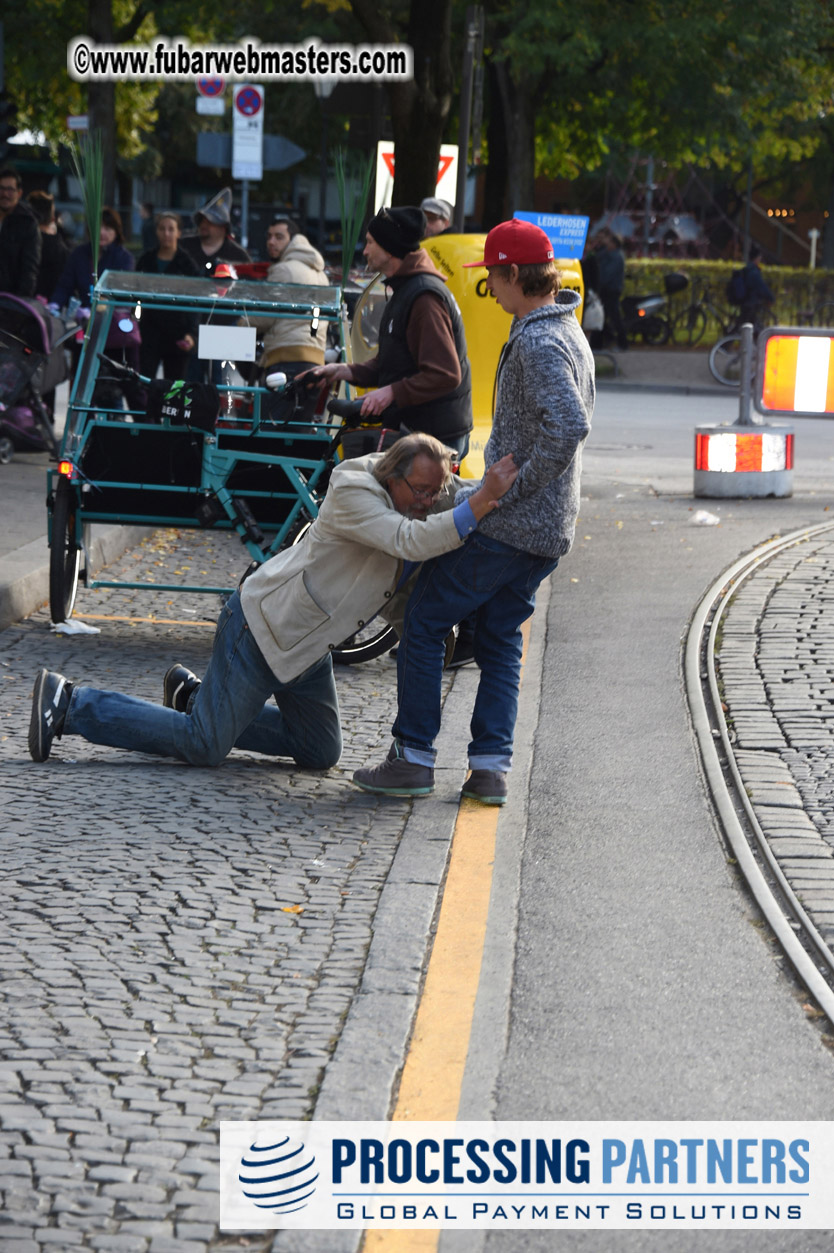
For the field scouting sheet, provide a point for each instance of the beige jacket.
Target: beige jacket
(306, 600)
(288, 339)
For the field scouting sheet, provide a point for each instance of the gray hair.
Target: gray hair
(396, 461)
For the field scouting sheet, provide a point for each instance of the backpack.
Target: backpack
(737, 288)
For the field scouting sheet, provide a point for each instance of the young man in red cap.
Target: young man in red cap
(422, 365)
(543, 407)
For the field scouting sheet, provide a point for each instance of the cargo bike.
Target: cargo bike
(235, 457)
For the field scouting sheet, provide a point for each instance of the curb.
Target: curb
(24, 574)
(670, 389)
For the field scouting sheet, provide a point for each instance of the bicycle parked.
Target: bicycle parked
(726, 357)
(822, 314)
(690, 324)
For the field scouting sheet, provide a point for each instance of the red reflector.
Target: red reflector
(66, 468)
(788, 452)
(701, 452)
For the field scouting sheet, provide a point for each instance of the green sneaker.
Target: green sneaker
(396, 776)
(487, 786)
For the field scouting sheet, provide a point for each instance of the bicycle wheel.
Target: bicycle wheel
(368, 643)
(371, 642)
(655, 330)
(690, 326)
(725, 361)
(824, 314)
(64, 555)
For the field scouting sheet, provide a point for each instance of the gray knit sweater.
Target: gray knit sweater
(543, 406)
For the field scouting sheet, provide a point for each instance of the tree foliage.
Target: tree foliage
(714, 84)
(717, 83)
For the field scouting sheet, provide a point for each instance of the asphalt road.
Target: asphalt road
(627, 975)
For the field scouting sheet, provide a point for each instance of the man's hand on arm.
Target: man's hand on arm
(498, 480)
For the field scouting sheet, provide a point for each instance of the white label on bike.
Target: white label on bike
(226, 343)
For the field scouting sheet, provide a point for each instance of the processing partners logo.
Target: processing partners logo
(279, 1176)
(547, 1176)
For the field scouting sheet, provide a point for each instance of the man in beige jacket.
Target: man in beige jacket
(381, 515)
(289, 344)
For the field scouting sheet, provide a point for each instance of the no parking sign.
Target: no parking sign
(248, 132)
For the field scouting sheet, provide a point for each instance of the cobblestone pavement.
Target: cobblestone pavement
(776, 664)
(177, 945)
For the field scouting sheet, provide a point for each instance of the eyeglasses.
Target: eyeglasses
(422, 493)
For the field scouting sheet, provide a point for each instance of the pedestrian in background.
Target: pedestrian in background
(79, 277)
(168, 336)
(439, 214)
(213, 242)
(123, 338)
(289, 343)
(20, 239)
(54, 248)
(757, 294)
(611, 273)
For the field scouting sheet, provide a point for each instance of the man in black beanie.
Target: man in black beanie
(422, 367)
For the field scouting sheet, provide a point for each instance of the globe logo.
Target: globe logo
(279, 1177)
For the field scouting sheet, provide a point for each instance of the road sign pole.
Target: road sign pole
(745, 391)
(244, 213)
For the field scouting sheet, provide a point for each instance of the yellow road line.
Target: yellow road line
(432, 1076)
(115, 617)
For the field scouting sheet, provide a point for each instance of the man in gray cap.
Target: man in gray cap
(213, 242)
(421, 373)
(439, 214)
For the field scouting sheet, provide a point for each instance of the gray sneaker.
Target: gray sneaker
(396, 776)
(487, 786)
(50, 702)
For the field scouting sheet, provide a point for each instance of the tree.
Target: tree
(37, 35)
(419, 108)
(702, 84)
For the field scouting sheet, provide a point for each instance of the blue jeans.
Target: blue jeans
(228, 711)
(497, 583)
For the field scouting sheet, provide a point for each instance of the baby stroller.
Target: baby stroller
(32, 364)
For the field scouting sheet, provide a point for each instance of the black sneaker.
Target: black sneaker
(50, 702)
(396, 776)
(178, 686)
(487, 786)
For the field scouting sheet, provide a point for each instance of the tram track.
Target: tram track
(797, 934)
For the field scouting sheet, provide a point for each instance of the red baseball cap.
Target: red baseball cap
(515, 243)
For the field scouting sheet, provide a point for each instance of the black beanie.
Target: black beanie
(398, 231)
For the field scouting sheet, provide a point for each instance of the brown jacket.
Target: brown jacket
(430, 341)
